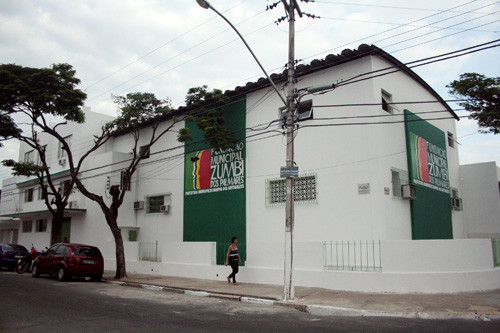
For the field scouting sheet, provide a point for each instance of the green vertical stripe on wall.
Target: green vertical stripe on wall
(431, 210)
(218, 213)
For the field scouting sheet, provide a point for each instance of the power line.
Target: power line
(160, 47)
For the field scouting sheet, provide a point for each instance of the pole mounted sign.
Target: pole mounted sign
(292, 171)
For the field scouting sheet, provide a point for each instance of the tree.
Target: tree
(137, 111)
(207, 113)
(482, 99)
(37, 93)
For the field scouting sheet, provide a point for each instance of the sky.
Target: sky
(167, 47)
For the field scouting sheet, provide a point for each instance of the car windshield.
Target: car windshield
(86, 251)
(14, 247)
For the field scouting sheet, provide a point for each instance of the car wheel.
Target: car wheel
(35, 272)
(97, 278)
(61, 274)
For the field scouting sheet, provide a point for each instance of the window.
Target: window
(87, 251)
(125, 180)
(65, 186)
(456, 201)
(52, 249)
(386, 102)
(29, 157)
(144, 152)
(41, 226)
(27, 226)
(399, 178)
(62, 250)
(451, 140)
(40, 193)
(304, 190)
(154, 202)
(61, 153)
(38, 158)
(28, 195)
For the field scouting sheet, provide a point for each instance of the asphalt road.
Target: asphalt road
(46, 305)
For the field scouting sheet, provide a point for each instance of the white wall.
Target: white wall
(481, 199)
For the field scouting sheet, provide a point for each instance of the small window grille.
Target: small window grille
(154, 202)
(125, 179)
(305, 190)
(451, 140)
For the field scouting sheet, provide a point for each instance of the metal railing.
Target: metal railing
(495, 244)
(149, 251)
(353, 256)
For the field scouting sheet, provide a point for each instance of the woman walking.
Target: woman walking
(233, 257)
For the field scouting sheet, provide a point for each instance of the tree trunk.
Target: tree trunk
(57, 222)
(121, 270)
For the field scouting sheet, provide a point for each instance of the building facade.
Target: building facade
(378, 194)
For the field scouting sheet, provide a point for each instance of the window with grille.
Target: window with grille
(305, 190)
(125, 179)
(154, 202)
(451, 140)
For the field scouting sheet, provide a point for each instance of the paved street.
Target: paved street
(44, 304)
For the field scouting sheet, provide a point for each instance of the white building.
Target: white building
(378, 168)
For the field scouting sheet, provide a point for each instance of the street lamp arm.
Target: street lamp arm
(207, 5)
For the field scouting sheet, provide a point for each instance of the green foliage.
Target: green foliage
(24, 169)
(482, 95)
(137, 108)
(207, 113)
(8, 128)
(40, 91)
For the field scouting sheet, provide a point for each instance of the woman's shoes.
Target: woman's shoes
(228, 280)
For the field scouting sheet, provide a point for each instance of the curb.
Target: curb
(317, 310)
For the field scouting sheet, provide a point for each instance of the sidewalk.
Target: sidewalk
(318, 301)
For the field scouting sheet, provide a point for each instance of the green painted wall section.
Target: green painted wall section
(428, 171)
(215, 207)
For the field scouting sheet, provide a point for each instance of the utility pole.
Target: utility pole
(289, 287)
(290, 8)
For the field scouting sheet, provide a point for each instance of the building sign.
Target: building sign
(428, 171)
(210, 170)
(214, 186)
(429, 164)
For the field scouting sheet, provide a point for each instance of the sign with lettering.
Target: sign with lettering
(429, 164)
(210, 170)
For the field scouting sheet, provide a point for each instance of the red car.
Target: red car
(68, 259)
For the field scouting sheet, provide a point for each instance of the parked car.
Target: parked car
(68, 259)
(10, 254)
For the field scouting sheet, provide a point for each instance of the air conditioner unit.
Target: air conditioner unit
(73, 204)
(138, 205)
(457, 204)
(164, 208)
(409, 191)
(62, 161)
